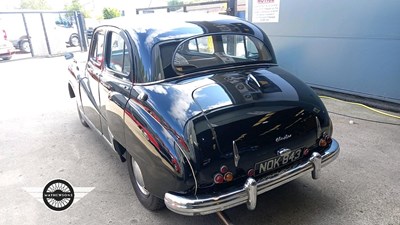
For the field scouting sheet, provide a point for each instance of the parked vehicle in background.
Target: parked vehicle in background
(71, 34)
(200, 110)
(90, 24)
(89, 33)
(6, 47)
(16, 32)
(72, 37)
(69, 31)
(22, 44)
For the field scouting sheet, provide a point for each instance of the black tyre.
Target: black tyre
(7, 58)
(24, 46)
(148, 200)
(83, 122)
(74, 40)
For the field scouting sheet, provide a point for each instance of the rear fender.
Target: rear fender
(157, 151)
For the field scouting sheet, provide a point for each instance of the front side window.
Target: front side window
(120, 60)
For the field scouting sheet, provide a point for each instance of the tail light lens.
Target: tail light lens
(218, 178)
(328, 139)
(251, 173)
(324, 140)
(228, 177)
(306, 151)
(223, 175)
(223, 169)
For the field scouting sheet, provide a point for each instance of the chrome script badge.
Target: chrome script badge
(287, 136)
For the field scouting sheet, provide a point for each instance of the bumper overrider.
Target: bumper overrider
(207, 204)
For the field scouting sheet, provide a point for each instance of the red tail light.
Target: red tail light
(328, 139)
(223, 175)
(306, 151)
(251, 173)
(324, 140)
(223, 169)
(218, 178)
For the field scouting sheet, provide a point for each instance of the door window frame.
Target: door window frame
(117, 74)
(93, 48)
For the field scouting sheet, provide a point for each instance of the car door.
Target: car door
(115, 84)
(90, 85)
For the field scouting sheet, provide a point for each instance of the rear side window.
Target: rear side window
(120, 60)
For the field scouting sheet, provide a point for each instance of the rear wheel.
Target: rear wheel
(24, 46)
(74, 40)
(148, 200)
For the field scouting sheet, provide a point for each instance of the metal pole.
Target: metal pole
(27, 34)
(80, 23)
(249, 11)
(45, 34)
(232, 7)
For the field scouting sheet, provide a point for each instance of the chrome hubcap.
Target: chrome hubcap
(26, 47)
(139, 177)
(75, 41)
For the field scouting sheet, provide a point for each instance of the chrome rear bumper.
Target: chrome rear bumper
(206, 204)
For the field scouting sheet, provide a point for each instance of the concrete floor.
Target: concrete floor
(42, 139)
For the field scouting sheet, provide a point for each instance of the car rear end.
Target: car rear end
(244, 151)
(259, 126)
(6, 47)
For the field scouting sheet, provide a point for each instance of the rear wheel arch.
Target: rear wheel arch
(120, 149)
(71, 91)
(146, 198)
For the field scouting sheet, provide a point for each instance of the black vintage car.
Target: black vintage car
(201, 111)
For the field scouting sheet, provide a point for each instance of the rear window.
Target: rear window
(218, 51)
(209, 52)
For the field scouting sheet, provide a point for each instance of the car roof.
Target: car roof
(149, 30)
(160, 27)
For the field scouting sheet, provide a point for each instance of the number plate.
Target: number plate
(274, 163)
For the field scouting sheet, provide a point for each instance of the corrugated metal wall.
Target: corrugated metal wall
(346, 46)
